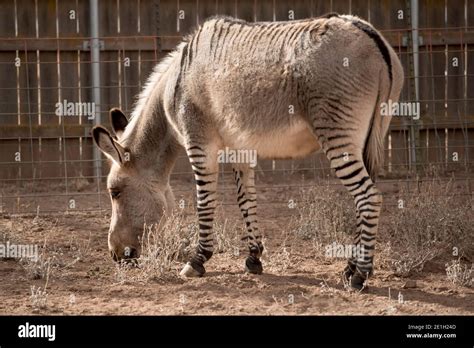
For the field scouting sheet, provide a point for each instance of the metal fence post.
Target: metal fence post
(95, 78)
(415, 152)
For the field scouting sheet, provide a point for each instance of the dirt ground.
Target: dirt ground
(83, 279)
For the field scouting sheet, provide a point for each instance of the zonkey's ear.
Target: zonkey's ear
(108, 145)
(118, 121)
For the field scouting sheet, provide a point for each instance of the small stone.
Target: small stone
(410, 284)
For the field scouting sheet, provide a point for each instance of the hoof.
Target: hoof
(253, 265)
(358, 282)
(189, 271)
(348, 272)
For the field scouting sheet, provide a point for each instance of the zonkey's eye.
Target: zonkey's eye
(114, 193)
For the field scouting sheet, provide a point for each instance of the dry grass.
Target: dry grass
(321, 217)
(166, 246)
(39, 268)
(324, 216)
(279, 260)
(228, 234)
(38, 298)
(81, 248)
(432, 223)
(39, 295)
(459, 274)
(50, 259)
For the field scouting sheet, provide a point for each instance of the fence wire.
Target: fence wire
(46, 161)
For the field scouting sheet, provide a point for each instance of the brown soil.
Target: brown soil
(84, 280)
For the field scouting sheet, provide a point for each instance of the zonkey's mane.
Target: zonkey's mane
(152, 80)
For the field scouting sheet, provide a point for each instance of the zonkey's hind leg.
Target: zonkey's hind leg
(244, 177)
(204, 164)
(340, 125)
(350, 169)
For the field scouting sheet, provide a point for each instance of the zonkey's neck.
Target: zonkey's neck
(151, 142)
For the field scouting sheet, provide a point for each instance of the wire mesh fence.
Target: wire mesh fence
(47, 161)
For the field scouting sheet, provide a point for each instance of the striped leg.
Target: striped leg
(352, 261)
(205, 167)
(244, 177)
(350, 169)
(340, 120)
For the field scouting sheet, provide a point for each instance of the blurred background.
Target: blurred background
(98, 54)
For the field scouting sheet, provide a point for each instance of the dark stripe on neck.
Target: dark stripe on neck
(378, 40)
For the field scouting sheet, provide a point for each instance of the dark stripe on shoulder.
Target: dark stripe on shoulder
(329, 15)
(378, 41)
